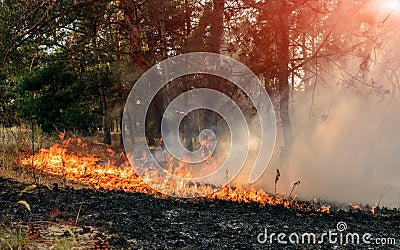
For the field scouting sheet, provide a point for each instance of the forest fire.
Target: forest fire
(103, 169)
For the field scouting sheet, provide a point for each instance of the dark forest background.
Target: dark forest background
(69, 65)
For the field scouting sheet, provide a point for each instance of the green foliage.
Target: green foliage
(8, 116)
(54, 97)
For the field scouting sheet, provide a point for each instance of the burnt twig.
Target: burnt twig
(278, 174)
(297, 183)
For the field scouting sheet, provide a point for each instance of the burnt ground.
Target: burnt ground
(119, 220)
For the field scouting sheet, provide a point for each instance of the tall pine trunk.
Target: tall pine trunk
(215, 47)
(284, 90)
(103, 101)
(131, 19)
(217, 26)
(106, 119)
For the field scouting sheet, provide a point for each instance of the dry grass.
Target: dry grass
(17, 143)
(52, 236)
(12, 238)
(14, 142)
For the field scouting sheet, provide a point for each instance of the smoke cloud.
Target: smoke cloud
(348, 151)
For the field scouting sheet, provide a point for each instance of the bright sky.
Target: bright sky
(383, 8)
(391, 4)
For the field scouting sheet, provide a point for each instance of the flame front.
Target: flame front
(75, 161)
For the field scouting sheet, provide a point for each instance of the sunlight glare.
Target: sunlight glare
(391, 4)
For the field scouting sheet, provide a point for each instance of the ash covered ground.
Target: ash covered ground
(120, 220)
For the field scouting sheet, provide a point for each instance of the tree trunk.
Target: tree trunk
(130, 13)
(103, 101)
(122, 91)
(106, 121)
(215, 47)
(188, 26)
(164, 49)
(217, 26)
(284, 81)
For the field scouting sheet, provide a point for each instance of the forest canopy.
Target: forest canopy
(69, 65)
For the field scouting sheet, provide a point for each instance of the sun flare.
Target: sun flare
(391, 5)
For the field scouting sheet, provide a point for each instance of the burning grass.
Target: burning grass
(102, 168)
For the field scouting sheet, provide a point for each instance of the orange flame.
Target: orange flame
(355, 207)
(324, 209)
(75, 161)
